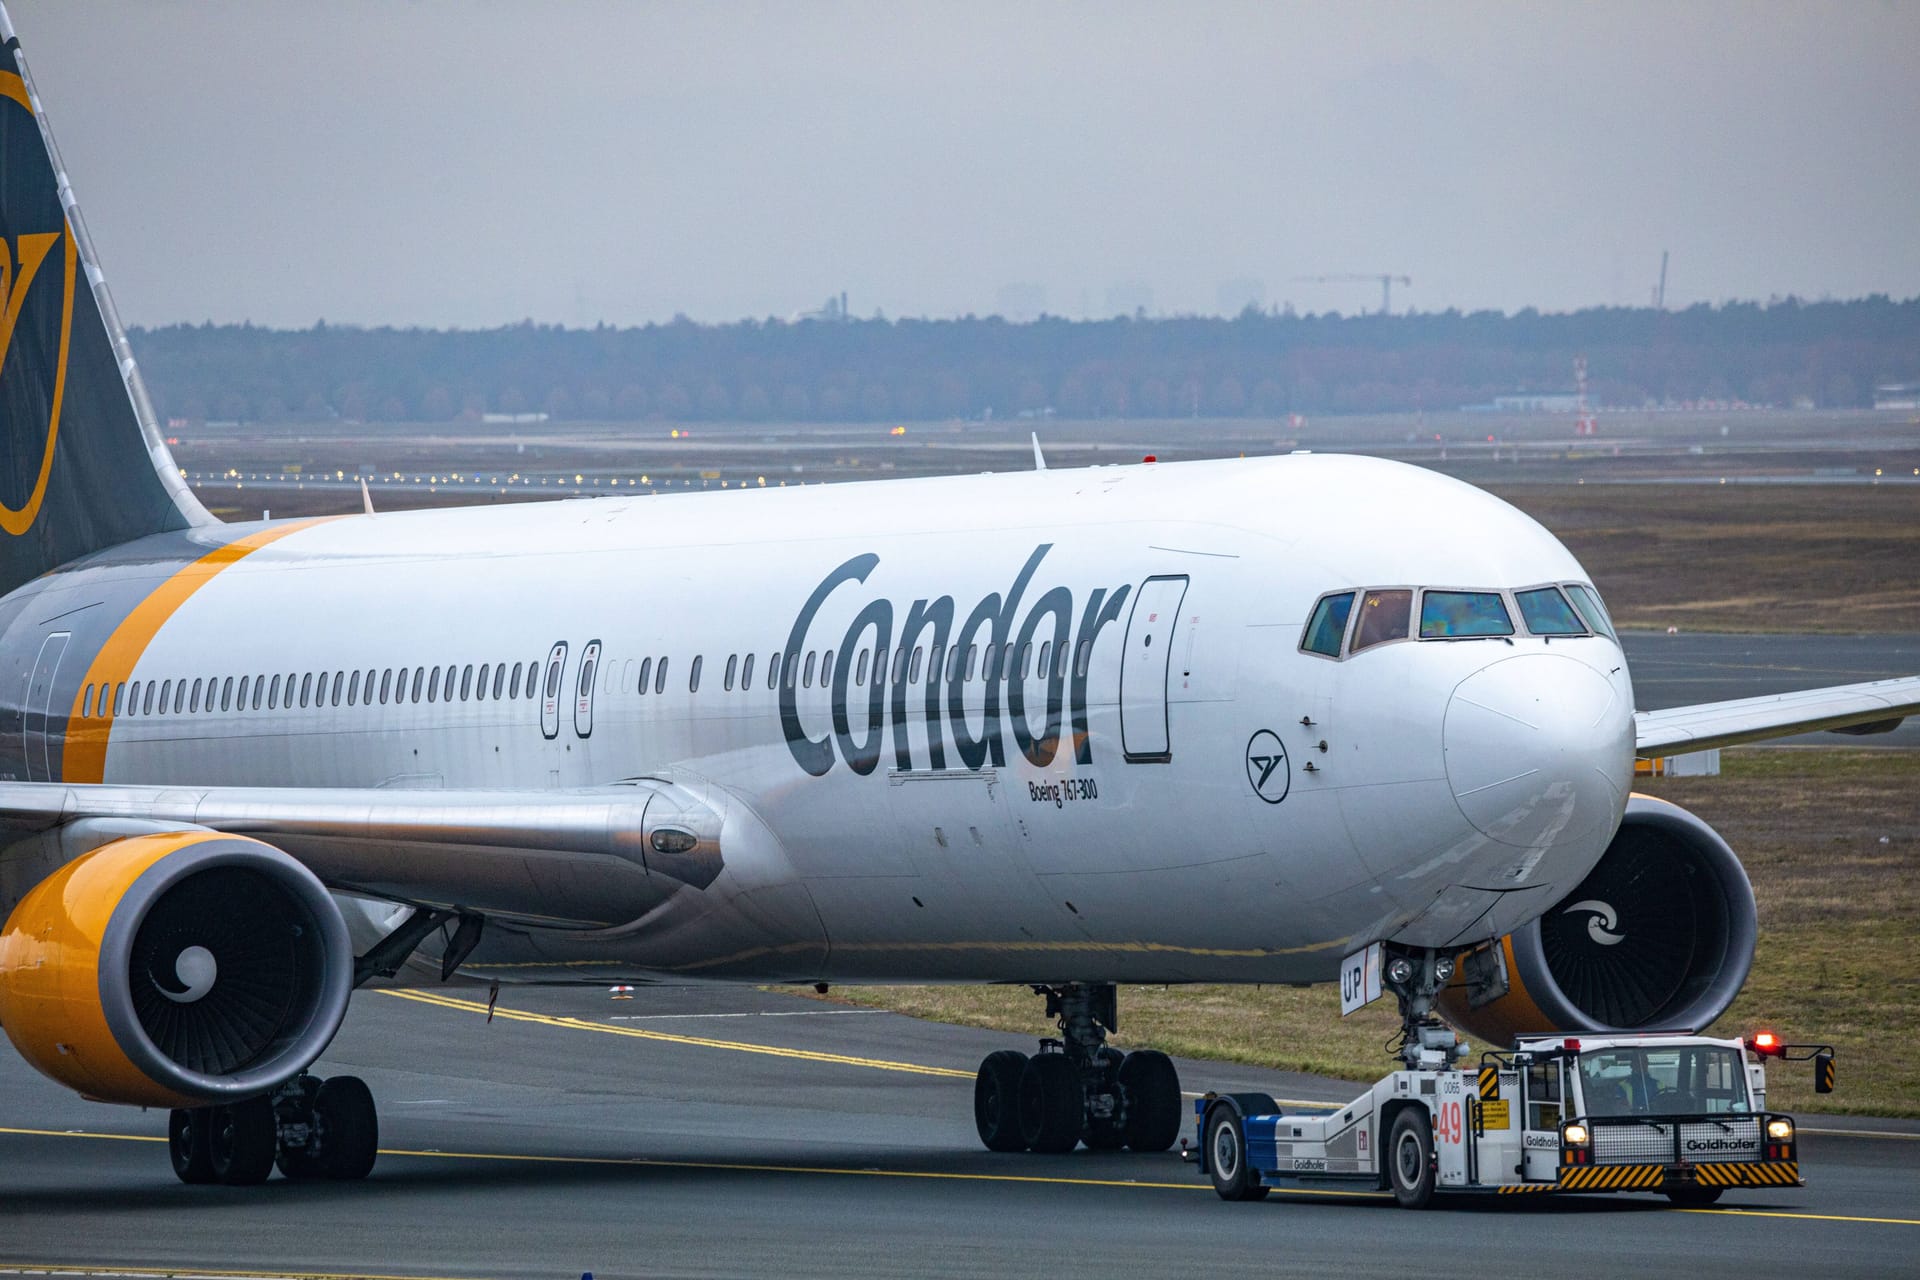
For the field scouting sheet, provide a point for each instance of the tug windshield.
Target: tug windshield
(1678, 1080)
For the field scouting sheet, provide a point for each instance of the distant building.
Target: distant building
(1897, 395)
(1529, 402)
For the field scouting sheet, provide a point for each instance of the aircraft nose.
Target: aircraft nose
(1539, 750)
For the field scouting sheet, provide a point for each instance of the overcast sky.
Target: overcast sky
(474, 163)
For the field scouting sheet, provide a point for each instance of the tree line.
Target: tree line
(1786, 352)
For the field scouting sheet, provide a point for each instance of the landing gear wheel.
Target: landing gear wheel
(1052, 1104)
(241, 1141)
(1693, 1197)
(1233, 1177)
(349, 1128)
(1410, 1159)
(301, 1163)
(189, 1147)
(1103, 1134)
(996, 1100)
(1152, 1089)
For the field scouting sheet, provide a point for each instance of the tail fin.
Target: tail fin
(82, 462)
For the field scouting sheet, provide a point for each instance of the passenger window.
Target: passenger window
(806, 676)
(693, 674)
(179, 696)
(1384, 616)
(1026, 660)
(860, 668)
(1547, 613)
(226, 694)
(585, 688)
(1006, 663)
(973, 651)
(553, 680)
(956, 660)
(826, 668)
(773, 671)
(366, 687)
(1082, 656)
(466, 681)
(339, 682)
(660, 677)
(386, 685)
(900, 666)
(1463, 615)
(419, 683)
(533, 683)
(480, 684)
(433, 685)
(306, 687)
(118, 690)
(146, 706)
(726, 682)
(746, 673)
(646, 673)
(86, 702)
(988, 661)
(273, 694)
(353, 689)
(1328, 625)
(193, 701)
(1587, 601)
(499, 680)
(913, 667)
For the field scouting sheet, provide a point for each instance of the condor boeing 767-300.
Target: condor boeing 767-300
(1230, 721)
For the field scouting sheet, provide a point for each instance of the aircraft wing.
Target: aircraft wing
(1875, 707)
(578, 857)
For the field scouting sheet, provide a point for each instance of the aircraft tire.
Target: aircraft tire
(1410, 1159)
(188, 1146)
(345, 1113)
(1052, 1104)
(1152, 1087)
(996, 1100)
(241, 1141)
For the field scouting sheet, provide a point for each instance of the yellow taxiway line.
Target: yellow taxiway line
(723, 1166)
(736, 1046)
(192, 1273)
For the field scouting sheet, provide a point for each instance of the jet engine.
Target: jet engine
(1659, 936)
(175, 969)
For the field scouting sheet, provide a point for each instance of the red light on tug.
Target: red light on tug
(1765, 1042)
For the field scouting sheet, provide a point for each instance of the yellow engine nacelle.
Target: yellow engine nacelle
(175, 970)
(1658, 937)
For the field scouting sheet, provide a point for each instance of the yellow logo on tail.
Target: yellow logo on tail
(20, 264)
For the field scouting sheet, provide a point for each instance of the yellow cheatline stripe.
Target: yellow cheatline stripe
(668, 1037)
(68, 1269)
(87, 736)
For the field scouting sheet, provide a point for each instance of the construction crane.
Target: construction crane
(1387, 281)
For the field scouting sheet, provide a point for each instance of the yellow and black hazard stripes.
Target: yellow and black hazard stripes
(1614, 1177)
(1768, 1173)
(1656, 1177)
(1490, 1082)
(1525, 1188)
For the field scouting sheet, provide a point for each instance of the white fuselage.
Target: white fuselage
(1080, 822)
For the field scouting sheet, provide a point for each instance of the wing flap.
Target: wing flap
(1877, 706)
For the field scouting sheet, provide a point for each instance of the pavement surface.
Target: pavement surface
(726, 1131)
(1678, 670)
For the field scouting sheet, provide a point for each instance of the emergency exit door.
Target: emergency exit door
(1143, 669)
(39, 708)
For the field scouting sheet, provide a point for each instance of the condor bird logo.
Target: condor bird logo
(30, 414)
(1600, 921)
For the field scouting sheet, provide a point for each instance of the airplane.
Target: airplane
(1231, 722)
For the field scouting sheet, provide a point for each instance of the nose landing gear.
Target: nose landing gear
(1076, 1089)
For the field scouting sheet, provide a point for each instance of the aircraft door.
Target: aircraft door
(583, 690)
(39, 708)
(550, 694)
(1144, 665)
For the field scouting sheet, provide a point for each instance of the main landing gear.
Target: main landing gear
(310, 1128)
(1076, 1089)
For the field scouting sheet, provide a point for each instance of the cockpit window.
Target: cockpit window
(1459, 615)
(1328, 625)
(1547, 613)
(1384, 616)
(1587, 601)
